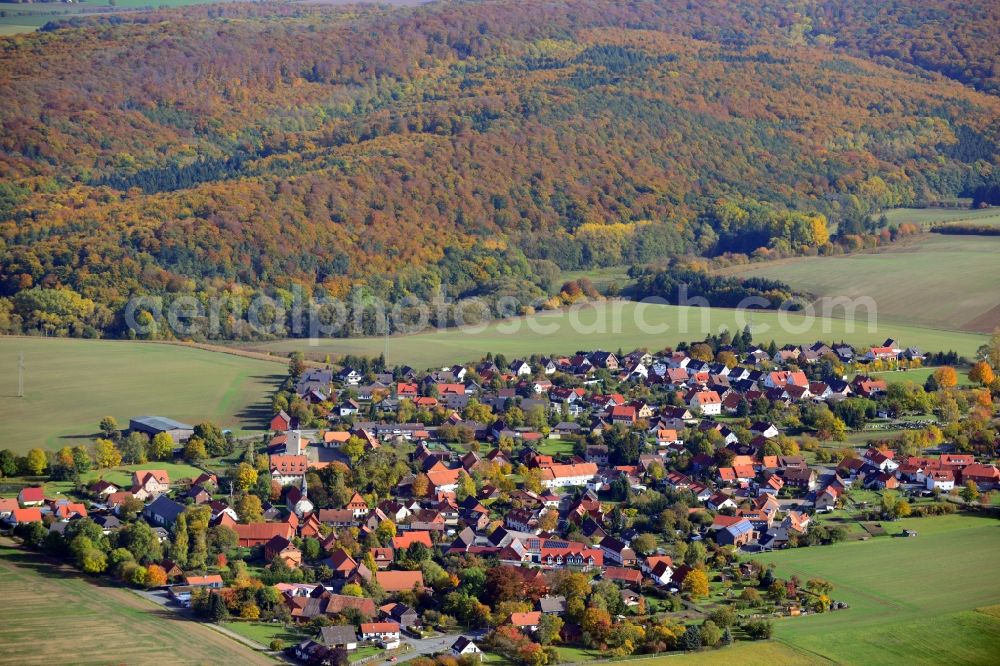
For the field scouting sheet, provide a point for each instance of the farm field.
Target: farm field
(71, 384)
(22, 18)
(764, 653)
(940, 281)
(97, 623)
(601, 278)
(913, 600)
(927, 216)
(619, 324)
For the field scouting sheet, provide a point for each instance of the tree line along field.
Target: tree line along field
(71, 384)
(22, 18)
(912, 600)
(91, 622)
(940, 281)
(598, 330)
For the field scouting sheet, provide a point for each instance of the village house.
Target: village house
(162, 511)
(289, 470)
(560, 476)
(617, 551)
(464, 647)
(526, 622)
(31, 496)
(383, 632)
(339, 636)
(150, 483)
(707, 403)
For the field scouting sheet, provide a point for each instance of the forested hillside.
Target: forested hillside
(467, 148)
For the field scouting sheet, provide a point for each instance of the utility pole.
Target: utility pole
(20, 375)
(385, 355)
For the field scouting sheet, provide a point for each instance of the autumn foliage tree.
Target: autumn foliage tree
(195, 182)
(982, 373)
(156, 576)
(946, 377)
(695, 584)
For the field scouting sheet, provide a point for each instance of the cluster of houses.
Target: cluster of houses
(31, 504)
(754, 501)
(709, 388)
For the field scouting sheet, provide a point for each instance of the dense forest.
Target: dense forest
(467, 149)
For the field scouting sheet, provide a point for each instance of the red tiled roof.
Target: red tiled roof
(568, 471)
(406, 539)
(262, 532)
(530, 619)
(622, 573)
(159, 475)
(379, 627)
(290, 464)
(32, 494)
(399, 581)
(32, 515)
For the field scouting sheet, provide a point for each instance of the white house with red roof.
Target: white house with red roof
(150, 483)
(560, 476)
(289, 470)
(940, 479)
(707, 403)
(31, 496)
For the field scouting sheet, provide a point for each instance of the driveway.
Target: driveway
(442, 643)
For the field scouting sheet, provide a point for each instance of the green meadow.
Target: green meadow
(56, 615)
(912, 600)
(623, 324)
(927, 216)
(934, 280)
(71, 384)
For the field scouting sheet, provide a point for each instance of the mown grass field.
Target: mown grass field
(53, 615)
(601, 278)
(913, 600)
(940, 281)
(71, 384)
(622, 324)
(919, 376)
(122, 476)
(764, 653)
(928, 216)
(265, 632)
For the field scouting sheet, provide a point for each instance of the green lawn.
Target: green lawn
(918, 376)
(54, 615)
(122, 476)
(912, 600)
(614, 324)
(71, 384)
(555, 447)
(575, 655)
(948, 282)
(265, 632)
